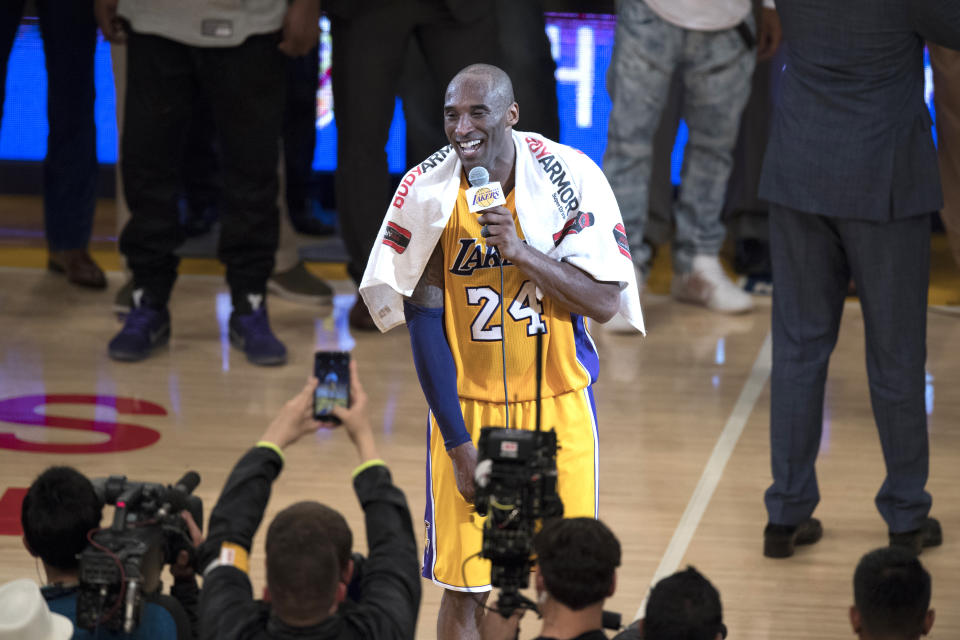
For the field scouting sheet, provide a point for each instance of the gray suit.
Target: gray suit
(851, 175)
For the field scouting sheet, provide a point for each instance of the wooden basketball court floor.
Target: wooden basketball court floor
(683, 422)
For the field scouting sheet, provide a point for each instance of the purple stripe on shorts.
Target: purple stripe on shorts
(427, 570)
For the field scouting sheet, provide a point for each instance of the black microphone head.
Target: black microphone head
(478, 177)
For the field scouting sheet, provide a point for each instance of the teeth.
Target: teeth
(469, 144)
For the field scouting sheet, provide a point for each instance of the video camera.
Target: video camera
(516, 487)
(123, 563)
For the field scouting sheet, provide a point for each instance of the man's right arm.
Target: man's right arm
(389, 597)
(437, 370)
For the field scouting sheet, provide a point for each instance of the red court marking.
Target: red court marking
(122, 436)
(10, 512)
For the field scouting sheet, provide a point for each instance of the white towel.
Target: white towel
(565, 208)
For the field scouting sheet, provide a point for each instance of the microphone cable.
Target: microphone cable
(478, 177)
(503, 343)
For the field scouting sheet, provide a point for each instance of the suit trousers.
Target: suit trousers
(813, 259)
(946, 83)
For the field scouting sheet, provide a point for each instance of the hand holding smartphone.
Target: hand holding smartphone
(332, 370)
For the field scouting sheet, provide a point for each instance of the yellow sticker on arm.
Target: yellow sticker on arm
(233, 555)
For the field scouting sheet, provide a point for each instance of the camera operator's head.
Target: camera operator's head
(891, 594)
(59, 509)
(684, 605)
(308, 562)
(577, 560)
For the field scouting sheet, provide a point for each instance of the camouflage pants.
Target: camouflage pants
(715, 67)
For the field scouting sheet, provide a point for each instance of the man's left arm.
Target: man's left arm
(560, 281)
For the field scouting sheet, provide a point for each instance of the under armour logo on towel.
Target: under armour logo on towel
(255, 299)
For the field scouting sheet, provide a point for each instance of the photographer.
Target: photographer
(577, 559)
(305, 575)
(60, 508)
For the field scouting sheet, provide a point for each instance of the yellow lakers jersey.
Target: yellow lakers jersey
(473, 304)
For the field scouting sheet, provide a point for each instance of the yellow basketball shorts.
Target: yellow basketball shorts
(454, 531)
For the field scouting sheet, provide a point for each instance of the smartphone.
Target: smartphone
(332, 370)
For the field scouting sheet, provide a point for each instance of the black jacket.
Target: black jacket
(390, 584)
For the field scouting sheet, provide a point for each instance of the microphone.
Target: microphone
(478, 176)
(482, 193)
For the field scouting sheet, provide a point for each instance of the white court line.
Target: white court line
(712, 473)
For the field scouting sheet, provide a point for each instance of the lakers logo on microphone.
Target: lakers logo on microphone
(485, 197)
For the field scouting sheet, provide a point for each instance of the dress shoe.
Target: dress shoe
(360, 317)
(928, 535)
(79, 268)
(780, 539)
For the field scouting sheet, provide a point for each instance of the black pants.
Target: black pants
(368, 54)
(244, 86)
(524, 56)
(201, 168)
(300, 127)
(70, 168)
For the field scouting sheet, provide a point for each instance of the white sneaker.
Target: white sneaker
(708, 286)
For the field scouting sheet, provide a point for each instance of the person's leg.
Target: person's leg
(245, 88)
(454, 531)
(421, 93)
(160, 84)
(290, 278)
(441, 48)
(370, 46)
(890, 262)
(811, 272)
(645, 52)
(460, 615)
(716, 76)
(200, 170)
(946, 84)
(525, 51)
(446, 46)
(70, 167)
(747, 215)
(299, 141)
(118, 60)
(10, 14)
(658, 230)
(287, 255)
(156, 110)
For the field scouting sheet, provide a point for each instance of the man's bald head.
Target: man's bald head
(499, 88)
(479, 113)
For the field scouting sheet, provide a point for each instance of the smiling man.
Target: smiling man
(475, 289)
